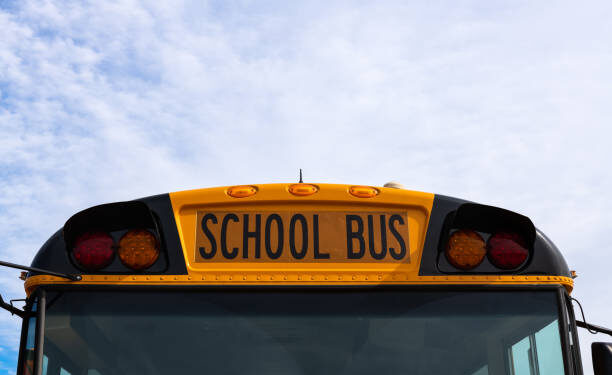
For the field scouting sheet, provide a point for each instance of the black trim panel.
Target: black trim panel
(448, 213)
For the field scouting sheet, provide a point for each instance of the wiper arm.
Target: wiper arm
(41, 271)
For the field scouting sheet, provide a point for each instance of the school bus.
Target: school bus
(299, 279)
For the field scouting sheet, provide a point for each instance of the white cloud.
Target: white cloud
(502, 103)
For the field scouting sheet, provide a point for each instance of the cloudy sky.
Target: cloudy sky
(504, 103)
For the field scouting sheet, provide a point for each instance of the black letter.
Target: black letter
(398, 236)
(383, 237)
(226, 253)
(315, 234)
(279, 248)
(358, 235)
(246, 235)
(302, 253)
(211, 238)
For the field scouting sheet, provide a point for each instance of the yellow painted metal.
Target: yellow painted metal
(322, 278)
(277, 198)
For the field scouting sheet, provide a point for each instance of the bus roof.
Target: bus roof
(257, 235)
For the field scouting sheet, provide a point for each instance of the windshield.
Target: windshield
(302, 331)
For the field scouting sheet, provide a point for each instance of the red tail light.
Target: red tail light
(94, 250)
(507, 250)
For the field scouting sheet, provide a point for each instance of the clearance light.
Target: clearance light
(363, 191)
(242, 191)
(138, 249)
(465, 249)
(303, 190)
(507, 250)
(93, 250)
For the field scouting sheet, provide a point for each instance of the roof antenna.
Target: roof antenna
(301, 181)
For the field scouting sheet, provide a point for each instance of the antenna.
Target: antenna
(301, 181)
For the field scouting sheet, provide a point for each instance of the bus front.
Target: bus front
(299, 279)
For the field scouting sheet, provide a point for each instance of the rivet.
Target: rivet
(133, 277)
(379, 277)
(326, 277)
(258, 277)
(161, 277)
(175, 277)
(203, 277)
(244, 277)
(230, 277)
(284, 277)
(312, 277)
(271, 277)
(189, 278)
(299, 277)
(148, 278)
(217, 277)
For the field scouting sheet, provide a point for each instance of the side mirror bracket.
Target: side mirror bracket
(12, 309)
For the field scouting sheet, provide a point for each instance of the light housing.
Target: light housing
(363, 191)
(507, 250)
(94, 250)
(465, 249)
(138, 249)
(302, 190)
(241, 191)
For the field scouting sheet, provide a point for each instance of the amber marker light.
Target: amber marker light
(241, 191)
(138, 249)
(303, 190)
(363, 191)
(465, 249)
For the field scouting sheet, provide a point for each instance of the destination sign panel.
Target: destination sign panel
(302, 236)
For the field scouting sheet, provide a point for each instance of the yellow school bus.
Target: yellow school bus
(298, 279)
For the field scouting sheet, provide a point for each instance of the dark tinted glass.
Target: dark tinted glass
(289, 331)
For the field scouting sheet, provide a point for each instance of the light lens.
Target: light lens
(138, 249)
(507, 250)
(465, 249)
(242, 191)
(93, 250)
(303, 190)
(363, 191)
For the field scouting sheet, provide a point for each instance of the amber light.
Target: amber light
(507, 250)
(303, 190)
(242, 191)
(138, 249)
(363, 191)
(465, 249)
(93, 250)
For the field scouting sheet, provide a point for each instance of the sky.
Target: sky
(504, 103)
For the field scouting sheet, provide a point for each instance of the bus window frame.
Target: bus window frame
(564, 333)
(573, 331)
(561, 293)
(25, 325)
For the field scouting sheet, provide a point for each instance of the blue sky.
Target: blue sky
(504, 103)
